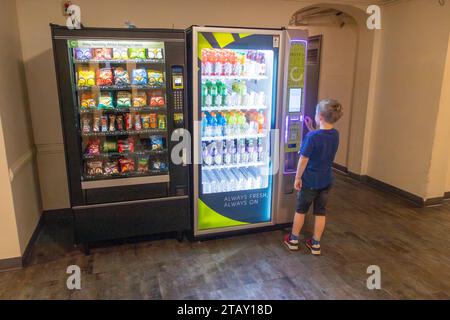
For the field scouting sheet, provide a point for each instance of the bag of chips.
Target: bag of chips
(155, 78)
(143, 165)
(139, 99)
(123, 99)
(111, 167)
(86, 77)
(105, 101)
(93, 147)
(158, 164)
(139, 77)
(136, 53)
(155, 53)
(87, 100)
(126, 145)
(121, 77)
(157, 101)
(120, 53)
(102, 54)
(94, 167)
(104, 77)
(157, 143)
(109, 146)
(126, 165)
(83, 53)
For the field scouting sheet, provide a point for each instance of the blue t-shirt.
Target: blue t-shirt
(320, 147)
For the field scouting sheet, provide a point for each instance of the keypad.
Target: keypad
(178, 99)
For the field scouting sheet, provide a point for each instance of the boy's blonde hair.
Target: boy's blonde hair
(330, 110)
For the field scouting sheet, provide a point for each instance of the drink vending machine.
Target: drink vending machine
(243, 125)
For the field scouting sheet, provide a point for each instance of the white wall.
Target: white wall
(20, 205)
(414, 43)
(337, 70)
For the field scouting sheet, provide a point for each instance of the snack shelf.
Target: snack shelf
(108, 155)
(124, 110)
(234, 165)
(228, 108)
(119, 88)
(124, 133)
(231, 137)
(137, 61)
(125, 175)
(222, 78)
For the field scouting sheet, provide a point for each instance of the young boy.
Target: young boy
(314, 176)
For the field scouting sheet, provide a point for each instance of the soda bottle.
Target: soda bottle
(204, 124)
(212, 60)
(261, 121)
(234, 64)
(204, 94)
(227, 154)
(252, 154)
(218, 154)
(208, 61)
(232, 122)
(241, 121)
(213, 92)
(260, 149)
(262, 65)
(223, 123)
(205, 62)
(241, 150)
(212, 124)
(208, 129)
(207, 92)
(217, 64)
(242, 62)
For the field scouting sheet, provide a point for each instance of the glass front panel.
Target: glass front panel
(237, 75)
(236, 112)
(120, 92)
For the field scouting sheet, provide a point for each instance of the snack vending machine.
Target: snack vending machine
(122, 95)
(235, 77)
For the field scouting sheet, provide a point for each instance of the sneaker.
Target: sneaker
(291, 244)
(313, 246)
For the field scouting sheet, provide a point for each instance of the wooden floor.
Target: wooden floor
(365, 227)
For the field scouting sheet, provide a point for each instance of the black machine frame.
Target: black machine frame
(129, 210)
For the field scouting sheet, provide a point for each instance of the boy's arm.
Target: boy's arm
(300, 169)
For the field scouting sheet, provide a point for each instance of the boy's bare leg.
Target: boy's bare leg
(299, 220)
(319, 226)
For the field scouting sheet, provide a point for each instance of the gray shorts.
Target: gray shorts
(306, 197)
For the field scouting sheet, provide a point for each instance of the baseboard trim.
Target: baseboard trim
(385, 187)
(340, 168)
(394, 190)
(10, 264)
(27, 253)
